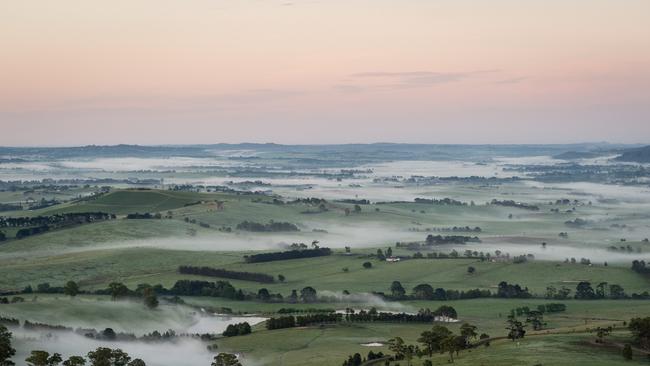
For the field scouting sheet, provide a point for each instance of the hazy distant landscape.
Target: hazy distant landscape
(325, 183)
(152, 248)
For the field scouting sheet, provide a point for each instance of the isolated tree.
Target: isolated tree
(6, 351)
(389, 252)
(281, 278)
(627, 352)
(640, 328)
(367, 265)
(225, 359)
(397, 290)
(471, 270)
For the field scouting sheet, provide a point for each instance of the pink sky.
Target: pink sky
(329, 71)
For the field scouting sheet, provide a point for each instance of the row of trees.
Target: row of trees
(57, 219)
(143, 216)
(423, 316)
(427, 292)
(290, 254)
(224, 273)
(450, 239)
(272, 226)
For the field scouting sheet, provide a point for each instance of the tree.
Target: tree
(471, 270)
(397, 290)
(423, 292)
(640, 328)
(433, 339)
(71, 289)
(308, 294)
(103, 356)
(389, 252)
(627, 352)
(536, 318)
(367, 265)
(397, 346)
(117, 289)
(281, 278)
(601, 333)
(584, 291)
(263, 294)
(600, 290)
(450, 345)
(43, 358)
(468, 332)
(225, 359)
(74, 361)
(515, 328)
(137, 362)
(150, 298)
(6, 351)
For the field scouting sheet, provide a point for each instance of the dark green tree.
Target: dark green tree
(6, 351)
(397, 290)
(71, 289)
(225, 359)
(74, 361)
(43, 358)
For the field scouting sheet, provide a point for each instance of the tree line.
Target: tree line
(224, 273)
(290, 254)
(57, 219)
(272, 226)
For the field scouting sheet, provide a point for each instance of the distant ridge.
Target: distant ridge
(639, 155)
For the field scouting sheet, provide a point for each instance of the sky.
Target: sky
(76, 72)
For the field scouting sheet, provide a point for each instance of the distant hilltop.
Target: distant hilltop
(638, 155)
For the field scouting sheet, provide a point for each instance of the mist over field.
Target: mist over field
(352, 233)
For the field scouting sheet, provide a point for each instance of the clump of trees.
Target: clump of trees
(443, 201)
(511, 203)
(224, 273)
(290, 254)
(225, 359)
(510, 291)
(640, 328)
(143, 216)
(357, 360)
(237, 329)
(450, 239)
(272, 226)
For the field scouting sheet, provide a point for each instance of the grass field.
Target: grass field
(150, 251)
